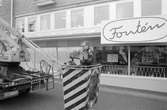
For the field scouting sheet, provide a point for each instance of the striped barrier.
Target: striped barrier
(80, 85)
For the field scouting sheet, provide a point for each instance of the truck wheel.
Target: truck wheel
(24, 91)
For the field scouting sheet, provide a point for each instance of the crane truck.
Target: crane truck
(14, 79)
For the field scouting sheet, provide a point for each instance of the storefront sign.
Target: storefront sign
(135, 30)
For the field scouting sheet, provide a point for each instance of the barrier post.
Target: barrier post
(81, 86)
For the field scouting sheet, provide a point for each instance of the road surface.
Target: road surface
(109, 99)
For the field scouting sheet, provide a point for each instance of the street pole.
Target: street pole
(129, 60)
(12, 13)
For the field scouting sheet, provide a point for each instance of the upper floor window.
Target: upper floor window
(45, 22)
(124, 10)
(20, 24)
(60, 20)
(151, 7)
(32, 21)
(1, 2)
(77, 18)
(101, 13)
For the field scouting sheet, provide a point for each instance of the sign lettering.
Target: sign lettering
(134, 30)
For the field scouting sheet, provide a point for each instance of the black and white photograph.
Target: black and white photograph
(83, 54)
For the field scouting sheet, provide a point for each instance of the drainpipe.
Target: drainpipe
(12, 13)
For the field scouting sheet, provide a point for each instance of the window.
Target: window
(32, 24)
(45, 22)
(1, 2)
(60, 20)
(124, 10)
(149, 61)
(20, 25)
(101, 13)
(151, 7)
(64, 54)
(113, 58)
(77, 18)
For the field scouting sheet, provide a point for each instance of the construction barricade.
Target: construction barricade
(80, 86)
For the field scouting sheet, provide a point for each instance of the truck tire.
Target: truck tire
(24, 91)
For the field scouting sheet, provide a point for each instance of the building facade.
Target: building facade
(59, 26)
(6, 11)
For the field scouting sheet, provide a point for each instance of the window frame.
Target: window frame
(18, 20)
(121, 2)
(141, 69)
(50, 20)
(35, 27)
(74, 9)
(66, 20)
(161, 11)
(1, 3)
(99, 5)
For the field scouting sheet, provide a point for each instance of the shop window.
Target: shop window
(45, 22)
(124, 10)
(32, 24)
(113, 58)
(60, 20)
(20, 25)
(77, 18)
(145, 61)
(64, 54)
(151, 7)
(149, 61)
(101, 13)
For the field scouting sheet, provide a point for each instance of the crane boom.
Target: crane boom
(13, 77)
(17, 44)
(11, 47)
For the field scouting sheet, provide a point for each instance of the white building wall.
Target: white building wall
(151, 84)
(164, 7)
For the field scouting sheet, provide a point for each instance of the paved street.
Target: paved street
(122, 99)
(109, 99)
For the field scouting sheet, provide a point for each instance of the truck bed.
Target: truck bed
(25, 81)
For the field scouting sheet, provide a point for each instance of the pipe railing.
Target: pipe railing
(146, 71)
(115, 69)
